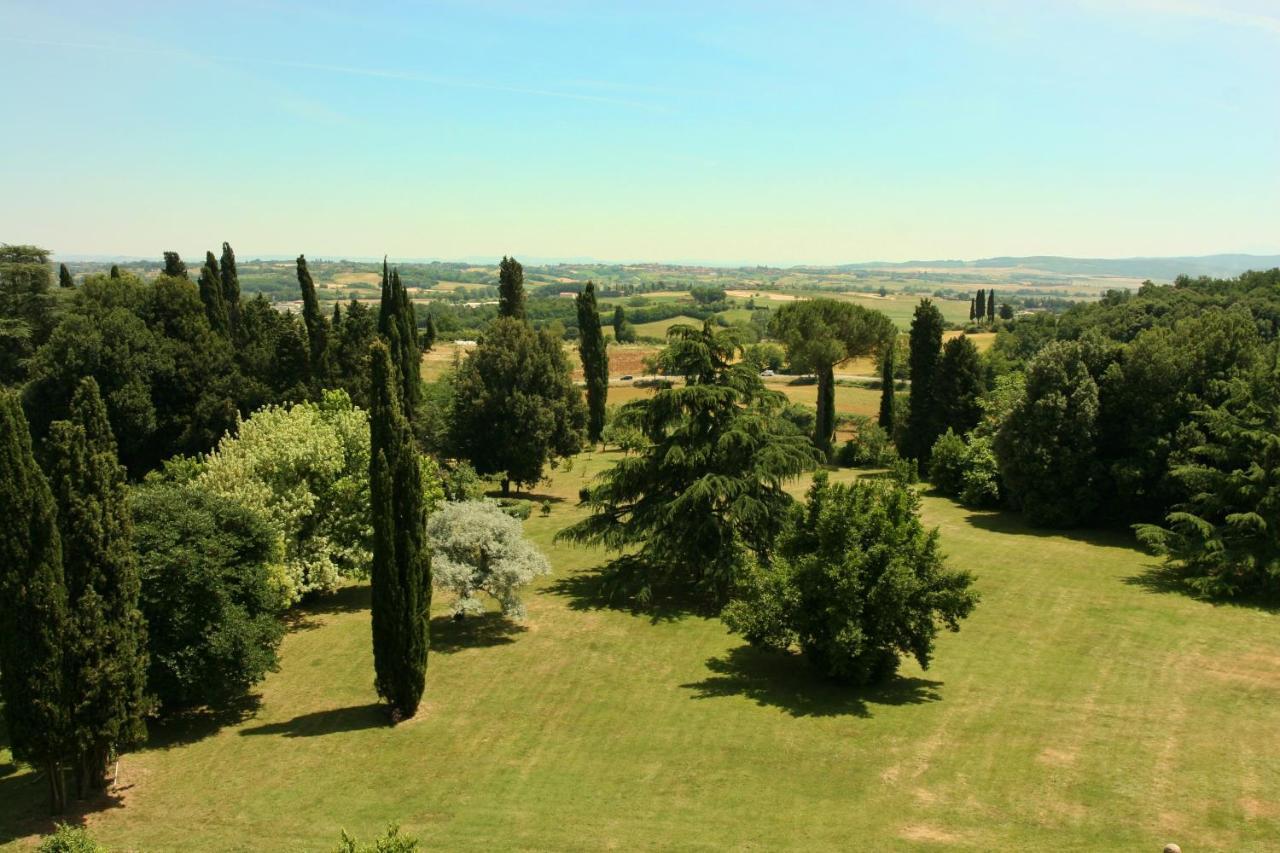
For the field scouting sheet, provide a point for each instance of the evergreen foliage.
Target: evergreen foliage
(213, 589)
(26, 307)
(857, 582)
(821, 333)
(1046, 446)
(317, 331)
(230, 278)
(174, 266)
(923, 423)
(115, 271)
(399, 330)
(595, 361)
(215, 307)
(401, 575)
(33, 607)
(511, 299)
(960, 382)
(105, 650)
(623, 331)
(64, 277)
(515, 408)
(885, 418)
(709, 487)
(1225, 538)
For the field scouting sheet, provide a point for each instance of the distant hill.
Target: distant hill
(1157, 269)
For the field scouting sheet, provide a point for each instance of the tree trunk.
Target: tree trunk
(506, 487)
(57, 787)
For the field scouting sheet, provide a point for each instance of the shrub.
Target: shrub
(213, 588)
(517, 508)
(461, 483)
(870, 445)
(981, 480)
(70, 839)
(546, 508)
(476, 547)
(802, 417)
(948, 463)
(389, 842)
(856, 583)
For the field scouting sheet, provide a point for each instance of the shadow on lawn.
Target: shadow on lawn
(598, 589)
(186, 727)
(449, 635)
(24, 801)
(348, 599)
(1007, 522)
(783, 681)
(330, 722)
(1161, 579)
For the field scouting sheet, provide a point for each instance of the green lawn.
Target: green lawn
(658, 328)
(1081, 707)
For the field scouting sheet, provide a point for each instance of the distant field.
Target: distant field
(658, 328)
(1080, 708)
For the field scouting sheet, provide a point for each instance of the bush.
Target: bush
(856, 583)
(517, 508)
(870, 446)
(389, 842)
(461, 483)
(70, 839)
(802, 417)
(213, 589)
(981, 481)
(546, 508)
(948, 463)
(476, 547)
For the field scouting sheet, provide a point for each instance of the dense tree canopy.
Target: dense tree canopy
(708, 489)
(856, 582)
(923, 420)
(595, 361)
(511, 299)
(515, 406)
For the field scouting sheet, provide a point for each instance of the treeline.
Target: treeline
(1155, 409)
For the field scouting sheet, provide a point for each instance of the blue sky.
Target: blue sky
(799, 132)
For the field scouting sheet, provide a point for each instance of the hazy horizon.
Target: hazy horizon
(778, 134)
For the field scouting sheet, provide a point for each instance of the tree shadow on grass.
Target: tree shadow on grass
(533, 497)
(449, 635)
(1163, 579)
(329, 722)
(24, 804)
(599, 589)
(784, 681)
(186, 727)
(1012, 523)
(348, 599)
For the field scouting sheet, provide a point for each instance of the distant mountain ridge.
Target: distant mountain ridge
(1159, 269)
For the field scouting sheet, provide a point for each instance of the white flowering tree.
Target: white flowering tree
(476, 547)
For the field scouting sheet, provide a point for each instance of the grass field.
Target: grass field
(1083, 706)
(658, 328)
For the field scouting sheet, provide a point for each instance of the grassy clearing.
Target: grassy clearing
(658, 328)
(1081, 707)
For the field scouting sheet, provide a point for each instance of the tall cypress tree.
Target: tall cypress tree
(595, 360)
(317, 332)
(510, 288)
(991, 307)
(885, 418)
(105, 653)
(397, 326)
(401, 575)
(623, 331)
(429, 332)
(211, 295)
(973, 309)
(64, 277)
(926, 346)
(230, 287)
(33, 606)
(958, 384)
(115, 271)
(174, 266)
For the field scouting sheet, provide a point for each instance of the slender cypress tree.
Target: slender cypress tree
(510, 288)
(991, 307)
(230, 287)
(211, 295)
(980, 309)
(886, 388)
(64, 277)
(429, 332)
(623, 332)
(926, 346)
(33, 606)
(398, 328)
(115, 271)
(317, 332)
(105, 655)
(174, 266)
(595, 360)
(973, 309)
(401, 575)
